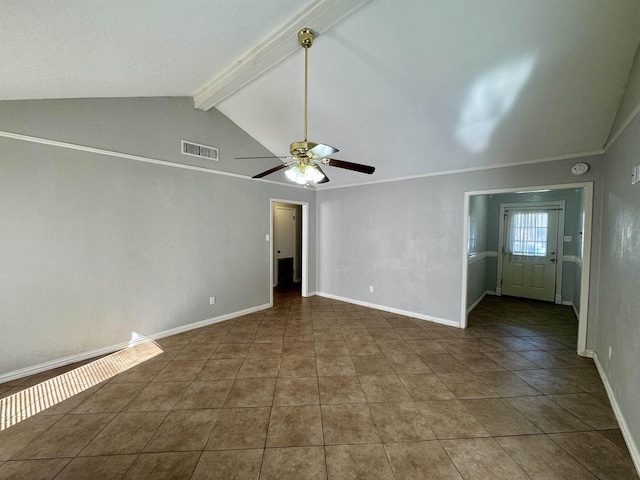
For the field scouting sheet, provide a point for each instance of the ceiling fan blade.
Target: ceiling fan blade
(325, 179)
(356, 167)
(270, 171)
(321, 150)
(250, 158)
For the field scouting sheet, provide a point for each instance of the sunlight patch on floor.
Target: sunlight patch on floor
(26, 403)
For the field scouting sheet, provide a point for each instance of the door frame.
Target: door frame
(305, 245)
(586, 251)
(559, 243)
(276, 272)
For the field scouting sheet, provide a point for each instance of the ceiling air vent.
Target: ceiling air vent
(197, 150)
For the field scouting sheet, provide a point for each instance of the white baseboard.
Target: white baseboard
(571, 304)
(78, 357)
(419, 316)
(624, 427)
(475, 304)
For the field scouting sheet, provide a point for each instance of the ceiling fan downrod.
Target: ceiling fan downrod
(305, 37)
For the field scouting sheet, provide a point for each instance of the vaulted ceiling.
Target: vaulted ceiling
(413, 87)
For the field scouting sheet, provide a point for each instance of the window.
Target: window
(528, 233)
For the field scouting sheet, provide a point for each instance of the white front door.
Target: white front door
(530, 253)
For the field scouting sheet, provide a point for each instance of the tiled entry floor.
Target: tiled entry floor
(314, 388)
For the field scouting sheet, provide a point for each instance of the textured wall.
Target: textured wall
(406, 237)
(618, 299)
(93, 247)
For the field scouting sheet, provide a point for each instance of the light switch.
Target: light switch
(266, 237)
(567, 238)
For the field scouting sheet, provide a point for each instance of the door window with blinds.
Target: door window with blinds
(528, 233)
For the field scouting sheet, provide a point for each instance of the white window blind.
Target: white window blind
(528, 233)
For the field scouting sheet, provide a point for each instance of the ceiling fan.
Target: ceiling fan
(306, 157)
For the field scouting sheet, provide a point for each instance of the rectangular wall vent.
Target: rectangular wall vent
(197, 150)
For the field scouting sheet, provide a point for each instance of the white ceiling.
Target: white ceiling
(412, 87)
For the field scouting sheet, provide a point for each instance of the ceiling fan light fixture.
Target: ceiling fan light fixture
(303, 176)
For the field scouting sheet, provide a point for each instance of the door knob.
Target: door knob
(552, 259)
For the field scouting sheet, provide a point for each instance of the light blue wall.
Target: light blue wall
(477, 231)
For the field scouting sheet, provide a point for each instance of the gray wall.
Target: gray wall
(406, 237)
(94, 247)
(619, 302)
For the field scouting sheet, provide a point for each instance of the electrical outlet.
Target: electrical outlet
(370, 288)
(610, 351)
(212, 300)
(567, 238)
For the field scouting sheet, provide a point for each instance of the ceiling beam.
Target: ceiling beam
(319, 16)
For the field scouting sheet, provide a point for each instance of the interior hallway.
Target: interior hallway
(315, 388)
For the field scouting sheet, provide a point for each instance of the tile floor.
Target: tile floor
(314, 389)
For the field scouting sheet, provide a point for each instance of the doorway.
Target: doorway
(530, 244)
(289, 244)
(480, 259)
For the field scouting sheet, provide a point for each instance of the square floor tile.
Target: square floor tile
(111, 397)
(372, 365)
(398, 422)
(227, 464)
(163, 466)
(423, 387)
(238, 428)
(260, 367)
(112, 467)
(158, 396)
(210, 394)
(297, 391)
(547, 415)
(67, 437)
(252, 392)
(384, 388)
(482, 458)
(298, 367)
(295, 426)
(293, 463)
(184, 430)
(424, 460)
(43, 469)
(298, 349)
(348, 424)
(344, 389)
(541, 457)
(335, 366)
(589, 408)
(600, 456)
(129, 432)
(408, 364)
(15, 438)
(355, 462)
(222, 369)
(499, 418)
(180, 371)
(450, 419)
(231, 350)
